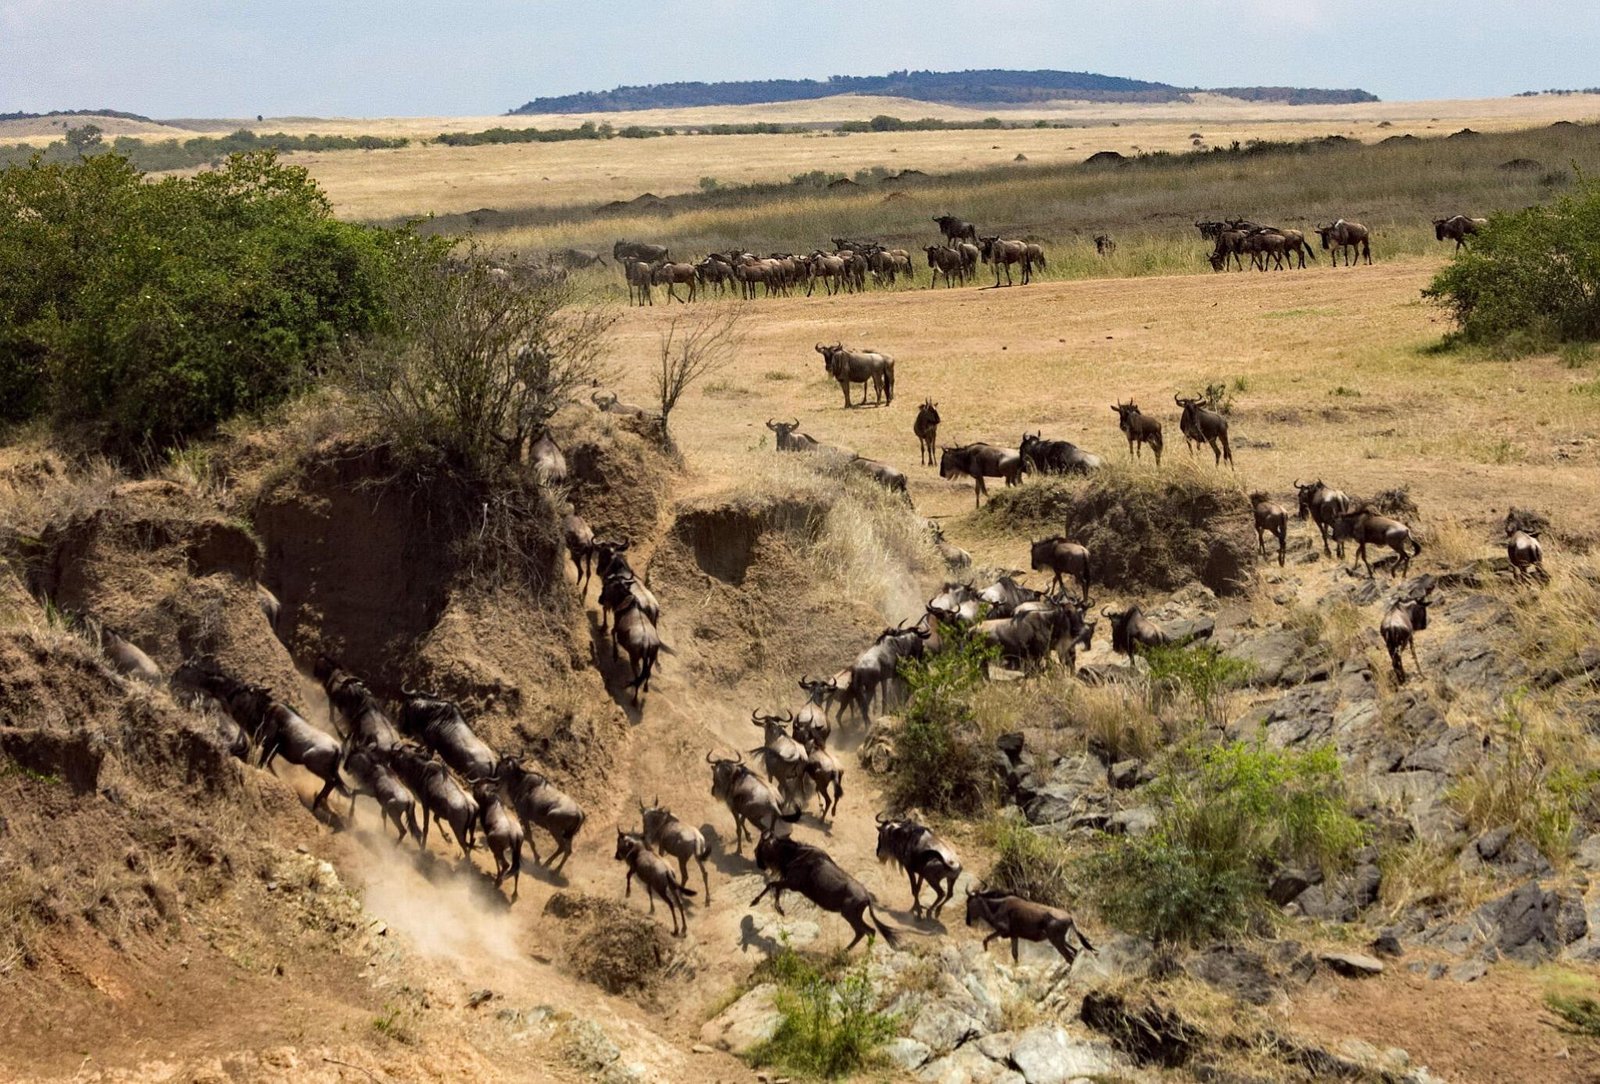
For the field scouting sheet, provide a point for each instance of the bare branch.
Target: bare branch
(691, 348)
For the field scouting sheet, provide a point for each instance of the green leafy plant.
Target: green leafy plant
(829, 1025)
(1200, 670)
(1581, 1015)
(1028, 863)
(942, 761)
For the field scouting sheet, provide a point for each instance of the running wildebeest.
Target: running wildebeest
(954, 229)
(504, 835)
(1407, 617)
(669, 835)
(1011, 916)
(657, 878)
(1202, 425)
(538, 802)
(859, 367)
(979, 461)
(579, 539)
(632, 629)
(375, 779)
(368, 725)
(1062, 558)
(1271, 518)
(748, 797)
(442, 798)
(926, 430)
(1364, 525)
(442, 728)
(1139, 429)
(925, 858)
(1350, 238)
(809, 870)
(1323, 505)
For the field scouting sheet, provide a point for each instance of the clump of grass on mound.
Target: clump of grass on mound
(1147, 529)
(1029, 863)
(830, 1025)
(944, 752)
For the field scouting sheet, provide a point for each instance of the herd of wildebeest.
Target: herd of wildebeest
(419, 753)
(852, 264)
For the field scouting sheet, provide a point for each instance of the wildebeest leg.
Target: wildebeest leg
(858, 924)
(705, 880)
(650, 897)
(1398, 666)
(980, 491)
(916, 892)
(1361, 555)
(1013, 949)
(1415, 662)
(771, 886)
(1059, 940)
(327, 789)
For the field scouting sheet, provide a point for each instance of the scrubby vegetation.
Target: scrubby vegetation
(1200, 672)
(942, 760)
(155, 155)
(1029, 863)
(149, 312)
(830, 1025)
(1227, 818)
(1531, 278)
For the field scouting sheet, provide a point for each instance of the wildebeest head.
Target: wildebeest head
(1120, 620)
(1308, 495)
(628, 844)
(609, 556)
(1326, 233)
(891, 831)
(928, 413)
(725, 772)
(1125, 413)
(950, 463)
(783, 429)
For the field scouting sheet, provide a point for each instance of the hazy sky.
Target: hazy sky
(176, 58)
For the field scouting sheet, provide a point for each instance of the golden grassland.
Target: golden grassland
(1330, 372)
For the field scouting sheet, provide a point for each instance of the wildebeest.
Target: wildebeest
(442, 728)
(368, 725)
(787, 440)
(579, 539)
(1271, 518)
(549, 465)
(890, 478)
(822, 770)
(657, 878)
(640, 277)
(1132, 631)
(1457, 228)
(1364, 525)
(808, 870)
(278, 729)
(924, 857)
(539, 802)
(715, 269)
(671, 836)
(504, 836)
(879, 665)
(1229, 243)
(610, 404)
(1104, 245)
(1210, 229)
(632, 630)
(859, 367)
(369, 769)
(441, 796)
(675, 274)
(1407, 617)
(953, 555)
(1140, 429)
(1523, 549)
(1027, 638)
(1000, 253)
(954, 229)
(1062, 558)
(1350, 238)
(783, 760)
(822, 694)
(637, 250)
(271, 608)
(1005, 594)
(1056, 456)
(1323, 505)
(926, 430)
(748, 797)
(979, 461)
(1202, 425)
(948, 262)
(126, 657)
(574, 259)
(1011, 916)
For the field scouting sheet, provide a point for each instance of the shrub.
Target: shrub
(942, 760)
(1580, 1015)
(1532, 273)
(829, 1025)
(1028, 863)
(1225, 821)
(152, 311)
(1201, 671)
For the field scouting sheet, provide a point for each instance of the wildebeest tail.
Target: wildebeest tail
(888, 932)
(1077, 929)
(888, 383)
(791, 818)
(1416, 547)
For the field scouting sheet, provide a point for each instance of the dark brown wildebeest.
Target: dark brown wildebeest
(945, 261)
(1210, 229)
(1323, 505)
(879, 665)
(891, 478)
(1457, 228)
(1036, 630)
(1056, 456)
(1131, 630)
(822, 770)
(859, 367)
(808, 870)
(1104, 245)
(666, 834)
(787, 440)
(1000, 253)
(926, 430)
(675, 274)
(1271, 518)
(574, 259)
(1407, 617)
(504, 835)
(657, 878)
(1062, 558)
(637, 250)
(126, 657)
(979, 461)
(1201, 425)
(579, 537)
(1350, 238)
(632, 630)
(1140, 430)
(369, 768)
(714, 269)
(1228, 243)
(1263, 246)
(366, 724)
(751, 799)
(925, 858)
(442, 798)
(538, 802)
(954, 229)
(439, 724)
(1364, 525)
(1011, 916)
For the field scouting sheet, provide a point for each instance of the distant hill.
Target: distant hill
(75, 113)
(989, 86)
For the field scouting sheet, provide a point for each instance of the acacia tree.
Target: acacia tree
(692, 348)
(477, 363)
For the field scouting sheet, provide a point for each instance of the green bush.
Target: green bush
(829, 1025)
(149, 312)
(1028, 863)
(1200, 670)
(1580, 1015)
(1531, 276)
(1226, 820)
(942, 760)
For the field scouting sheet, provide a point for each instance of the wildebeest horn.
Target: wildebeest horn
(1176, 400)
(881, 819)
(771, 426)
(1297, 483)
(709, 759)
(1105, 612)
(795, 424)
